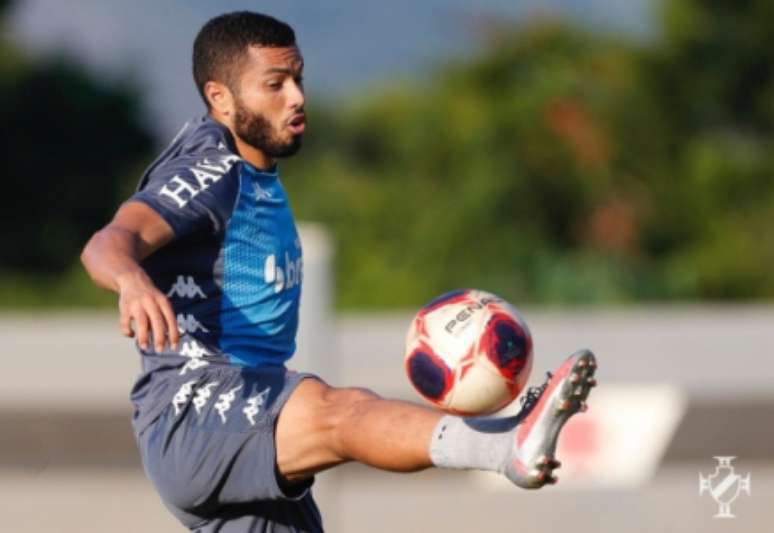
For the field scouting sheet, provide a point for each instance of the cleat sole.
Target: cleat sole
(568, 398)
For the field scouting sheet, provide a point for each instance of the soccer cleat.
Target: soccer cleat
(545, 410)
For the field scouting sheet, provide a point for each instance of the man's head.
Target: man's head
(248, 70)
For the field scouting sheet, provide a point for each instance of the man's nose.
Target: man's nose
(296, 98)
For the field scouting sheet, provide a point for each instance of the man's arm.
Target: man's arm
(112, 256)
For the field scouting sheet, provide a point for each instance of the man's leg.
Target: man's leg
(321, 426)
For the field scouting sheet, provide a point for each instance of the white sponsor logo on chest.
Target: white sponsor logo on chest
(283, 278)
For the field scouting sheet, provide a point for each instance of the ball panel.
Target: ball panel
(506, 344)
(429, 374)
(479, 392)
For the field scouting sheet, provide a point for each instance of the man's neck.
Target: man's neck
(252, 155)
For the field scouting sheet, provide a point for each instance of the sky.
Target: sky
(348, 45)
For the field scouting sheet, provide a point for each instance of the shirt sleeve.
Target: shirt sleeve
(193, 194)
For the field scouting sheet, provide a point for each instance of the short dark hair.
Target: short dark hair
(222, 43)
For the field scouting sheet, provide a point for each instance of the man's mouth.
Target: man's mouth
(297, 124)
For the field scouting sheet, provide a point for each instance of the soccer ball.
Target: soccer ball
(468, 352)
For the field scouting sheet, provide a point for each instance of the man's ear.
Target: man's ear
(220, 98)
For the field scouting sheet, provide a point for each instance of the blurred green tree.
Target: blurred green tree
(560, 166)
(714, 72)
(69, 139)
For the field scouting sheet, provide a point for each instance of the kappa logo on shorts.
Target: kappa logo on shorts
(224, 402)
(203, 396)
(193, 350)
(182, 395)
(254, 405)
(186, 287)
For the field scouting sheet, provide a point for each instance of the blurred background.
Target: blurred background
(606, 166)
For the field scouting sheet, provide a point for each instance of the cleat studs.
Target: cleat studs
(582, 363)
(552, 480)
(565, 405)
(578, 391)
(575, 378)
(591, 382)
(584, 407)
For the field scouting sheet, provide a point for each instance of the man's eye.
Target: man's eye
(274, 85)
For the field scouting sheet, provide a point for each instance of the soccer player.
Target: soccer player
(207, 264)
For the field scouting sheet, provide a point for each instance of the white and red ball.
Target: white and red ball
(468, 352)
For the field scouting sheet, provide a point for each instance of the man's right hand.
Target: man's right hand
(112, 259)
(145, 310)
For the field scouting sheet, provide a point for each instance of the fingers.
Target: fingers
(141, 325)
(150, 315)
(171, 321)
(158, 326)
(126, 324)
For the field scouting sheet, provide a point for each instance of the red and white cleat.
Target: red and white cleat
(546, 409)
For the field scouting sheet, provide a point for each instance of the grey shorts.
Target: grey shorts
(210, 451)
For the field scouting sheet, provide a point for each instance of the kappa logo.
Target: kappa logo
(186, 287)
(193, 349)
(224, 402)
(283, 279)
(195, 352)
(193, 364)
(182, 395)
(254, 405)
(724, 485)
(203, 396)
(261, 193)
(205, 172)
(189, 324)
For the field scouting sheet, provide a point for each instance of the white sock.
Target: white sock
(473, 443)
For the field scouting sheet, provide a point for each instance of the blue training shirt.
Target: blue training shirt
(233, 270)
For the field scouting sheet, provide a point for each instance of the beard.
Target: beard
(257, 131)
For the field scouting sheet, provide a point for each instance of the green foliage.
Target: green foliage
(68, 140)
(559, 167)
(72, 288)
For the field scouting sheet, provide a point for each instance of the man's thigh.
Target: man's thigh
(309, 427)
(321, 426)
(211, 453)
